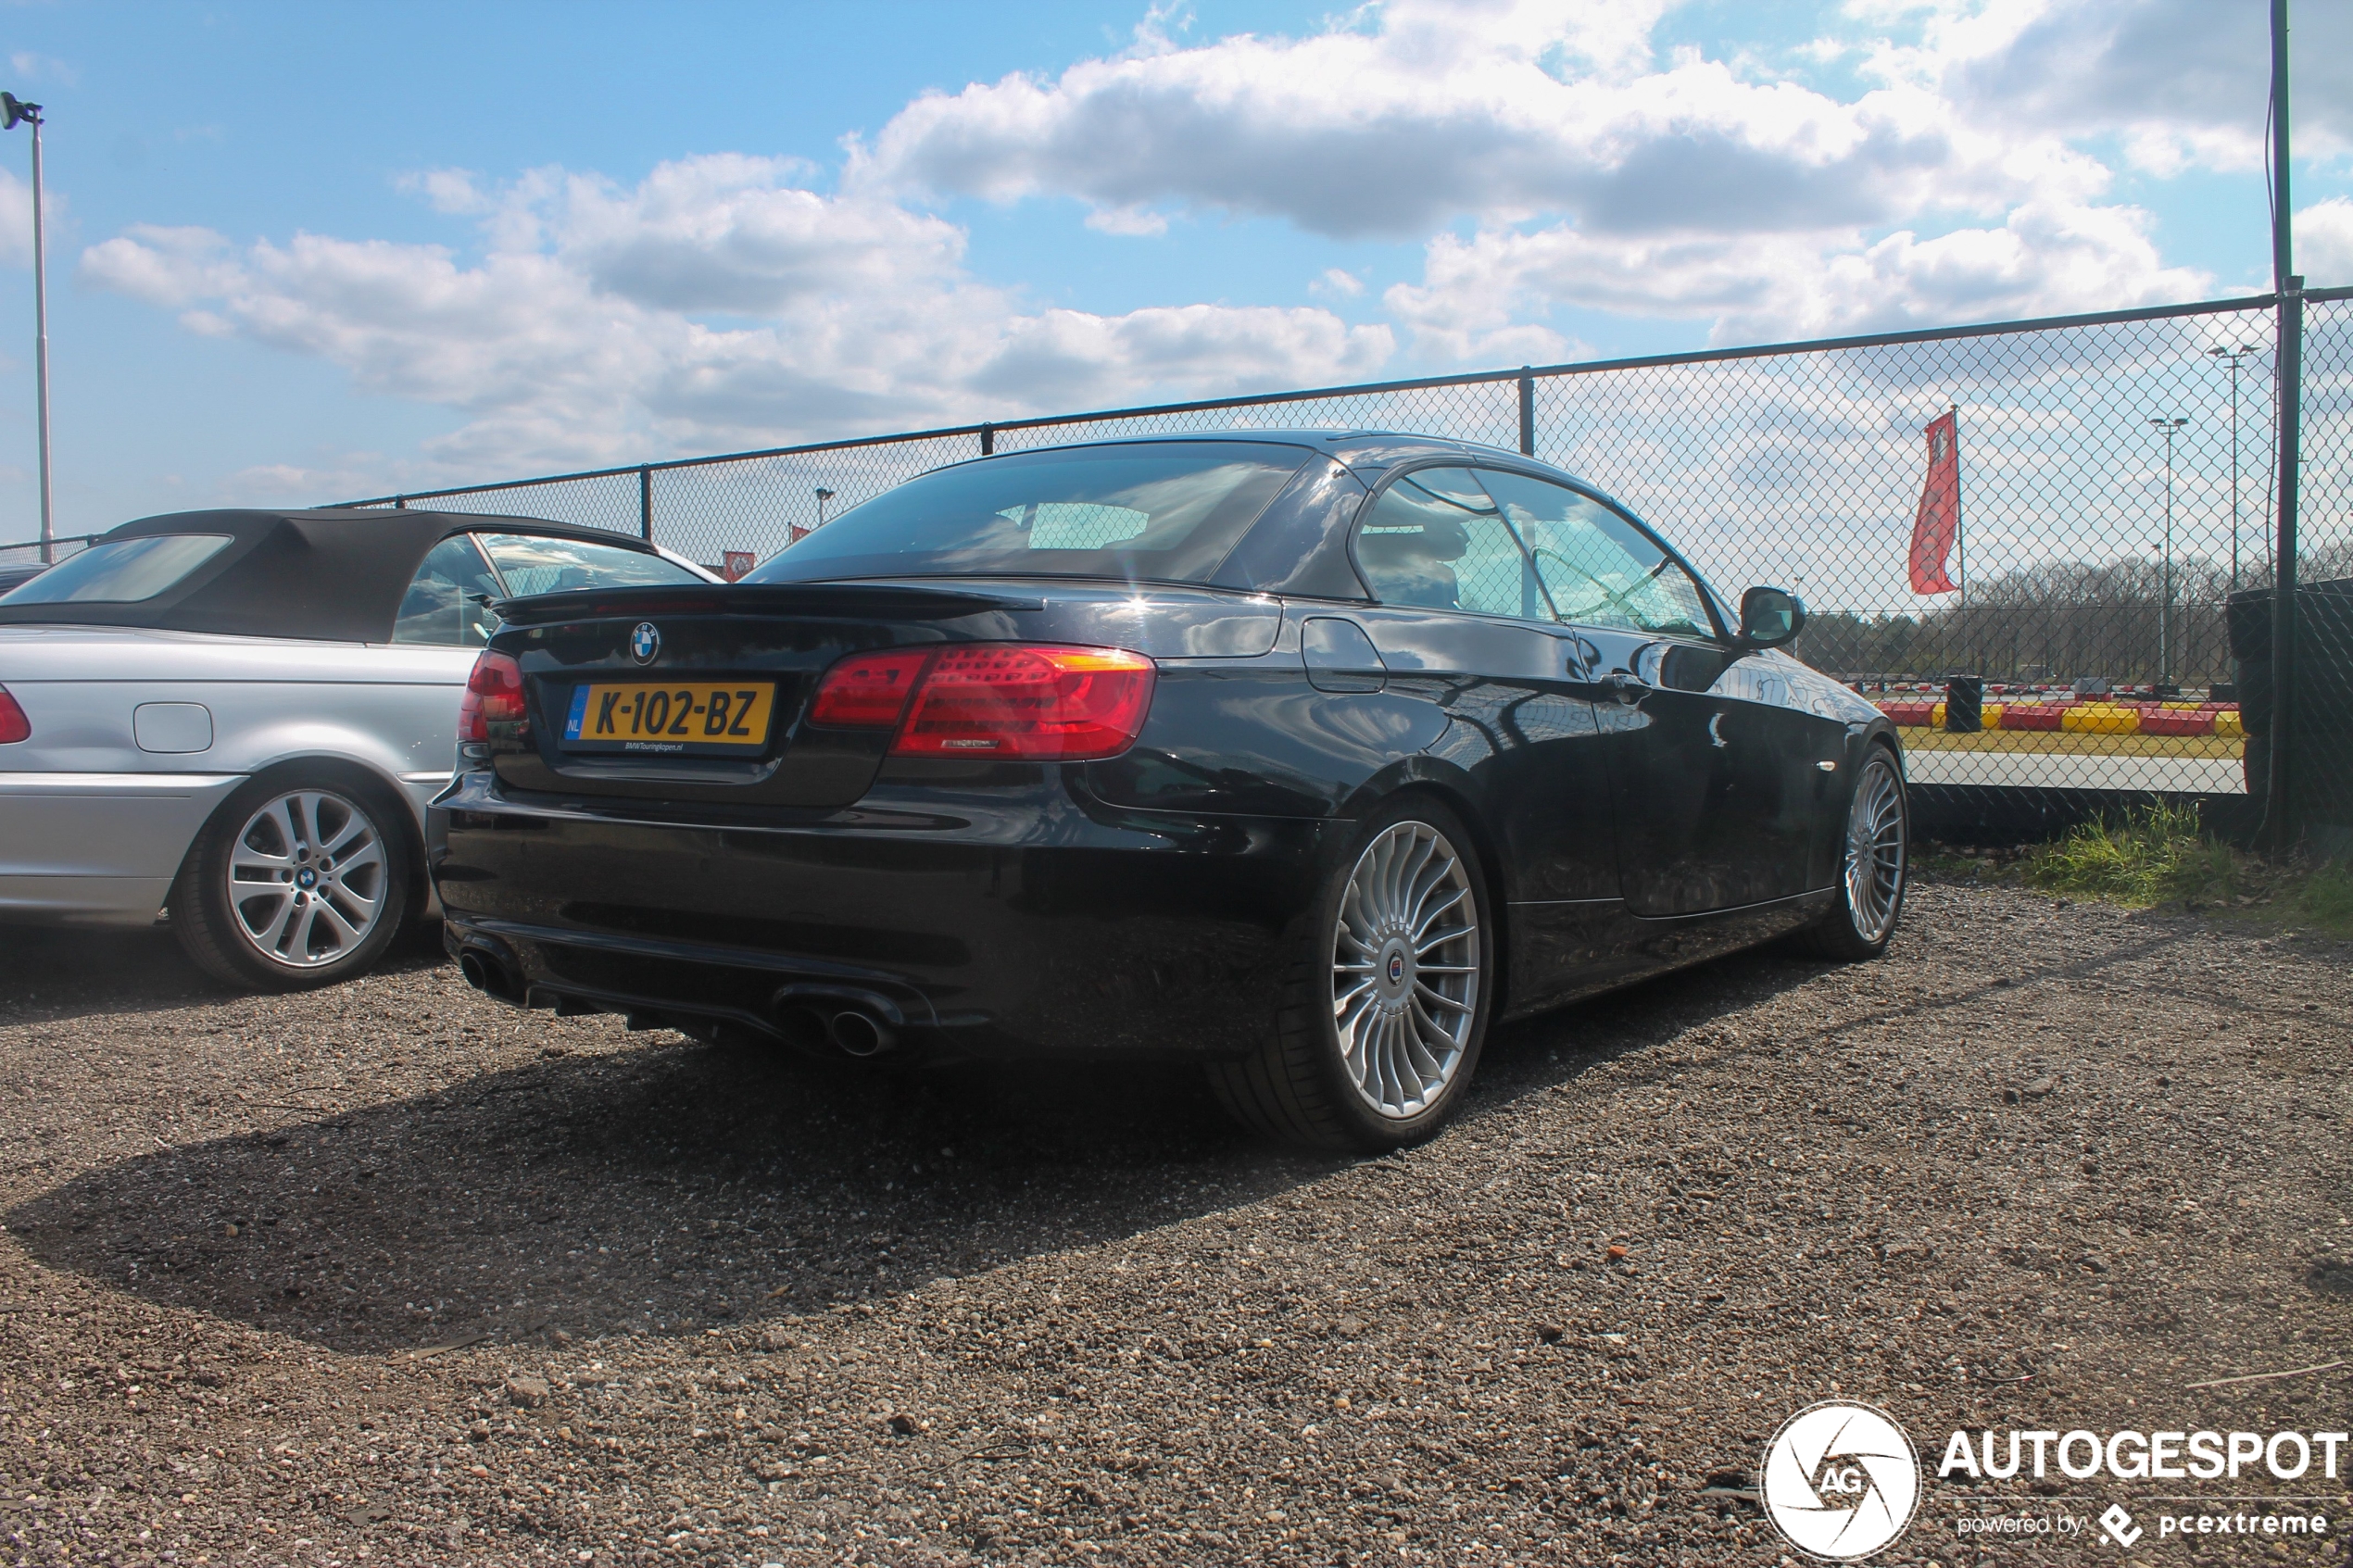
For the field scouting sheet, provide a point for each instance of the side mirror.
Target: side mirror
(1769, 617)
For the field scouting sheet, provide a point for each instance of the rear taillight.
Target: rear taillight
(14, 725)
(492, 708)
(868, 691)
(1012, 700)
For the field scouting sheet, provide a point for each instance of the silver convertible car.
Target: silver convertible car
(233, 719)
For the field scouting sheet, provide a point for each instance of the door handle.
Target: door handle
(1624, 687)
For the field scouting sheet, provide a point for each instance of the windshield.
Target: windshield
(1151, 511)
(122, 573)
(531, 564)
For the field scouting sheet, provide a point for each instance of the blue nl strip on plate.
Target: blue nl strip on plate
(579, 711)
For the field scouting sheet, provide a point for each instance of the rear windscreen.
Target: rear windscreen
(1159, 512)
(122, 571)
(538, 564)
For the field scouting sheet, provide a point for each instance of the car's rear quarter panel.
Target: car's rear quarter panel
(92, 826)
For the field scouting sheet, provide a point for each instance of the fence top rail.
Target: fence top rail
(55, 539)
(1362, 389)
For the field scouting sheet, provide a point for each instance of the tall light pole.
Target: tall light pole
(2169, 427)
(823, 495)
(2234, 357)
(29, 114)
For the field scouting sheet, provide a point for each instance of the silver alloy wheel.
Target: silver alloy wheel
(1405, 968)
(1875, 850)
(307, 878)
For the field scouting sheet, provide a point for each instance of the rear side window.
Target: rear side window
(448, 603)
(1435, 539)
(122, 573)
(1600, 569)
(535, 564)
(1160, 512)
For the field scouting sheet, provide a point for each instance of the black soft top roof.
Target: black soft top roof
(335, 574)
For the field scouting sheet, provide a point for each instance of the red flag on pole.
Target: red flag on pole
(1938, 523)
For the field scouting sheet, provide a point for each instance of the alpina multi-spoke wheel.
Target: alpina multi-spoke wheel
(1405, 968)
(1873, 860)
(1388, 1008)
(293, 884)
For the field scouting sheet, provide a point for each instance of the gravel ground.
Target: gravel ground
(389, 1274)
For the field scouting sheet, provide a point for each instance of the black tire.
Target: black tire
(1843, 932)
(1299, 1085)
(220, 933)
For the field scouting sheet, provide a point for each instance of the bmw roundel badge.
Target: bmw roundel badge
(645, 643)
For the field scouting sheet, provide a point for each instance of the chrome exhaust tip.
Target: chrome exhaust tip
(859, 1033)
(490, 973)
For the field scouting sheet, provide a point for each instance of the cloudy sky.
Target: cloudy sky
(299, 251)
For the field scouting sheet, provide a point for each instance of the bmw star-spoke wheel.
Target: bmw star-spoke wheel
(296, 883)
(1404, 969)
(1875, 851)
(307, 878)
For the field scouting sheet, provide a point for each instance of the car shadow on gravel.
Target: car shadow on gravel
(658, 1188)
(664, 1188)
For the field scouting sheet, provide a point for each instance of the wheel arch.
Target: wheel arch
(391, 796)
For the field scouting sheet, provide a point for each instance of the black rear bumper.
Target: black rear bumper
(1029, 920)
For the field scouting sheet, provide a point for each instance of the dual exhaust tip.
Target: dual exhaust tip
(852, 1025)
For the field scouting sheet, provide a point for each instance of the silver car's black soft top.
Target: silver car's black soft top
(335, 574)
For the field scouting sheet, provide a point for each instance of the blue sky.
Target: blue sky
(305, 251)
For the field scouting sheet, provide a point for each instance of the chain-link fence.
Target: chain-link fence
(2117, 485)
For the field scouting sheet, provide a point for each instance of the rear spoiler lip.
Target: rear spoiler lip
(864, 601)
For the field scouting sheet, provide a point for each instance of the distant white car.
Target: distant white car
(236, 719)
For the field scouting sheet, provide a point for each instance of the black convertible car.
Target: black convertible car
(1306, 755)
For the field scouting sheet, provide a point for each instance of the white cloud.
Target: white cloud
(25, 63)
(2183, 82)
(2045, 259)
(1337, 281)
(16, 219)
(1136, 221)
(2324, 243)
(1596, 175)
(1440, 110)
(713, 305)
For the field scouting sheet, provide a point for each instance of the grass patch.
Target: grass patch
(2158, 856)
(2146, 856)
(2324, 900)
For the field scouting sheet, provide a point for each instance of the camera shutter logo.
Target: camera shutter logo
(644, 643)
(1840, 1480)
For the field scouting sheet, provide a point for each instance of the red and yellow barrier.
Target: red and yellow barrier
(2095, 718)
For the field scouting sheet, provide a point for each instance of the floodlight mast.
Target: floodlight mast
(16, 112)
(2169, 427)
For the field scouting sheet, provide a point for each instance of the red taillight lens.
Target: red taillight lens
(1012, 700)
(14, 725)
(868, 691)
(993, 699)
(494, 695)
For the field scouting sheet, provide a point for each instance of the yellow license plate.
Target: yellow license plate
(670, 719)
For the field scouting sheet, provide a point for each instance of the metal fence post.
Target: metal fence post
(645, 502)
(2279, 808)
(989, 441)
(1526, 413)
(400, 502)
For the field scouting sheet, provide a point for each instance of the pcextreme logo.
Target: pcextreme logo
(1840, 1480)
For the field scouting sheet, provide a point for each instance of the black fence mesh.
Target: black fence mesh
(2117, 485)
(2323, 769)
